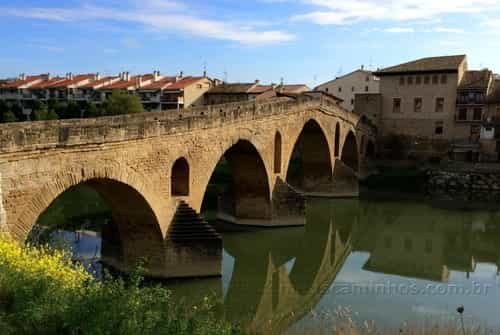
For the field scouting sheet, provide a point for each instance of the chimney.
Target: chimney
(204, 73)
(181, 74)
(46, 76)
(362, 67)
(138, 81)
(156, 76)
(22, 76)
(97, 76)
(257, 81)
(69, 76)
(126, 76)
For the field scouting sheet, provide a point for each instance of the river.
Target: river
(360, 260)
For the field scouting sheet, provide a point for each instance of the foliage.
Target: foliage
(92, 110)
(42, 292)
(120, 102)
(8, 116)
(43, 113)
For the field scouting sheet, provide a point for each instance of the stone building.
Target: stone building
(419, 102)
(238, 92)
(347, 86)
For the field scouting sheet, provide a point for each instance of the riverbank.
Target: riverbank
(42, 292)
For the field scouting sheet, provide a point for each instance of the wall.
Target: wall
(420, 124)
(356, 80)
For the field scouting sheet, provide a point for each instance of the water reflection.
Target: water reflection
(388, 261)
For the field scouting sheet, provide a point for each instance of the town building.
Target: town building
(347, 86)
(156, 92)
(236, 92)
(419, 102)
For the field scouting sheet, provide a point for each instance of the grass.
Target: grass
(43, 292)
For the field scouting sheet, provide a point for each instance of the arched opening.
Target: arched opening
(277, 152)
(239, 185)
(310, 167)
(362, 146)
(370, 150)
(350, 152)
(102, 220)
(337, 140)
(179, 180)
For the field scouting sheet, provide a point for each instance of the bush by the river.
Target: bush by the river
(43, 292)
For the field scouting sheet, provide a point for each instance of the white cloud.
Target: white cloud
(346, 12)
(399, 30)
(448, 30)
(160, 15)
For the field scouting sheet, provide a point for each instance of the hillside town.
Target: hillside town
(426, 108)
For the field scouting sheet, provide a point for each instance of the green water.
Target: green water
(386, 261)
(383, 261)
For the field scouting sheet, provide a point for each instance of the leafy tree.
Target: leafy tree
(73, 111)
(17, 110)
(8, 116)
(43, 113)
(93, 110)
(122, 103)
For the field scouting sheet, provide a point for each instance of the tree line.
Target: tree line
(119, 102)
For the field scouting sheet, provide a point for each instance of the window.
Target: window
(439, 129)
(366, 88)
(444, 79)
(396, 105)
(478, 114)
(410, 80)
(352, 101)
(352, 89)
(417, 105)
(475, 131)
(180, 178)
(462, 114)
(326, 89)
(401, 80)
(435, 79)
(340, 88)
(418, 80)
(277, 153)
(367, 78)
(439, 105)
(427, 80)
(199, 86)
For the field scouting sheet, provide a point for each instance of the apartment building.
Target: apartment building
(346, 87)
(156, 92)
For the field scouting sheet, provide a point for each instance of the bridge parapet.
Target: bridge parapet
(29, 136)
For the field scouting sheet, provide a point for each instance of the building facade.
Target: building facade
(419, 102)
(346, 87)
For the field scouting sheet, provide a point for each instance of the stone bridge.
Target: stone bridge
(144, 165)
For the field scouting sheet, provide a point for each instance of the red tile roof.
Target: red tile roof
(69, 82)
(101, 81)
(260, 89)
(183, 83)
(160, 84)
(18, 83)
(122, 84)
(47, 83)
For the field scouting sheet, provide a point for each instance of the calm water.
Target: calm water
(382, 261)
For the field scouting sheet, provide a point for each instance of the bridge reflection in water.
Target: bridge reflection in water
(279, 276)
(273, 279)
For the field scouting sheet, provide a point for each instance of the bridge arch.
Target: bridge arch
(310, 164)
(134, 231)
(248, 194)
(179, 178)
(350, 155)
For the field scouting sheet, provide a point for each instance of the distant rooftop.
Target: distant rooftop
(476, 79)
(429, 64)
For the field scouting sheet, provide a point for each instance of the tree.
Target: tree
(73, 111)
(122, 103)
(92, 110)
(8, 116)
(17, 110)
(43, 113)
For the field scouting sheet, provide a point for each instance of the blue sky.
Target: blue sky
(307, 41)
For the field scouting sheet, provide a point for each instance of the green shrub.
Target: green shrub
(42, 292)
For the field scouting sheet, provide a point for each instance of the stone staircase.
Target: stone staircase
(188, 225)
